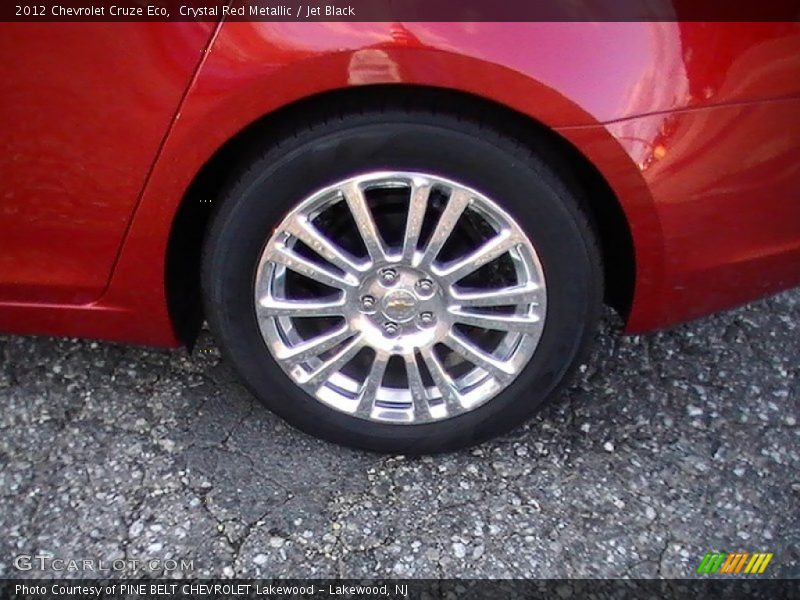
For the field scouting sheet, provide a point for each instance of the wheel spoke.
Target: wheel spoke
(365, 222)
(450, 395)
(336, 362)
(418, 204)
(301, 228)
(315, 346)
(517, 323)
(486, 253)
(402, 301)
(369, 390)
(272, 307)
(464, 348)
(291, 260)
(458, 201)
(521, 294)
(419, 401)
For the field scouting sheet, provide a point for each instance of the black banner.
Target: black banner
(399, 10)
(228, 589)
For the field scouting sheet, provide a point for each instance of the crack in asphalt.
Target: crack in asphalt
(664, 447)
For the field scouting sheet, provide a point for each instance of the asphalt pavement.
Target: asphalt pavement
(665, 447)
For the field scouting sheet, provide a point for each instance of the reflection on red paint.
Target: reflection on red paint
(694, 125)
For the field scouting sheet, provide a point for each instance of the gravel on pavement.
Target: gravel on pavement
(663, 448)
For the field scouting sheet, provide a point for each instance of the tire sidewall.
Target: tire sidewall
(496, 167)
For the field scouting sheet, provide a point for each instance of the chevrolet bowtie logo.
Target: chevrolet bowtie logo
(400, 303)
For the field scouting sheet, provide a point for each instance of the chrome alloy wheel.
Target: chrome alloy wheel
(400, 297)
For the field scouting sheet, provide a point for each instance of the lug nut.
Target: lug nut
(391, 329)
(427, 319)
(367, 304)
(425, 287)
(388, 276)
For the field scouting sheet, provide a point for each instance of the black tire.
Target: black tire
(333, 148)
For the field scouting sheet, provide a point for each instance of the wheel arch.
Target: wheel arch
(196, 208)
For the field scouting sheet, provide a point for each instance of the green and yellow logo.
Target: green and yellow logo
(734, 564)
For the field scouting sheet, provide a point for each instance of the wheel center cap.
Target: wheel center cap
(400, 305)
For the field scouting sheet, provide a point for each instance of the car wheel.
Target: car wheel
(401, 280)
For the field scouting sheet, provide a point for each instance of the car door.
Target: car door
(84, 109)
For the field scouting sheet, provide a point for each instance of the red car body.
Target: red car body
(695, 127)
